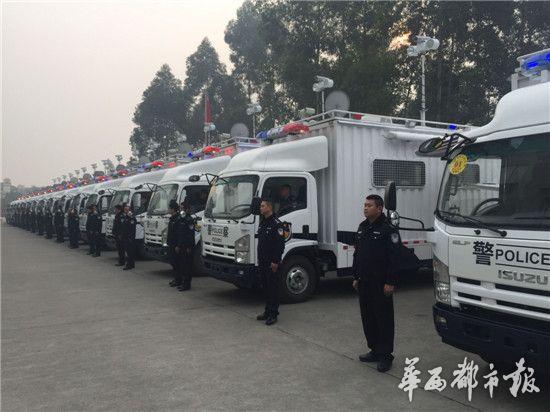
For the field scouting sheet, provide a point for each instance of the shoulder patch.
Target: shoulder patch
(395, 238)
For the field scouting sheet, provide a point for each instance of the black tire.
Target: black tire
(297, 279)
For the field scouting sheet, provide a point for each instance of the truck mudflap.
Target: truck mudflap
(245, 276)
(495, 340)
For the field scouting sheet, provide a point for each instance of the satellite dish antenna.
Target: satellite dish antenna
(337, 100)
(239, 130)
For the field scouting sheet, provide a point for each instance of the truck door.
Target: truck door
(295, 201)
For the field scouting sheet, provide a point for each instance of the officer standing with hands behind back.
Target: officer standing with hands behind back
(375, 264)
(59, 219)
(93, 227)
(271, 245)
(128, 237)
(116, 234)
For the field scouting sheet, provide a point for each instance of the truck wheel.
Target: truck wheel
(198, 264)
(298, 279)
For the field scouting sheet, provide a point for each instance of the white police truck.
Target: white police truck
(492, 227)
(317, 172)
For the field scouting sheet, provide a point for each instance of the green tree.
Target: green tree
(206, 75)
(160, 115)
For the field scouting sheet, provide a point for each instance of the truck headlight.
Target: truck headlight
(242, 249)
(442, 287)
(164, 237)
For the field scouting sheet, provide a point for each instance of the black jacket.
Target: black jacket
(59, 218)
(127, 227)
(73, 224)
(271, 243)
(181, 231)
(187, 232)
(377, 252)
(93, 223)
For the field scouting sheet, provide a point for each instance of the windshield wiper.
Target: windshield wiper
(479, 223)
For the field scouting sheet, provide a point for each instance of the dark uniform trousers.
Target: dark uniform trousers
(48, 226)
(182, 263)
(377, 317)
(120, 251)
(95, 243)
(130, 249)
(376, 264)
(270, 282)
(59, 233)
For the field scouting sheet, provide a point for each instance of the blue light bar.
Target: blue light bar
(533, 64)
(261, 135)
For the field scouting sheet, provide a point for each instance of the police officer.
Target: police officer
(73, 229)
(48, 223)
(93, 227)
(375, 264)
(116, 235)
(40, 220)
(128, 237)
(59, 219)
(271, 245)
(32, 217)
(174, 240)
(186, 241)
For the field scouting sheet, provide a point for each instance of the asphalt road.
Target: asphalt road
(79, 333)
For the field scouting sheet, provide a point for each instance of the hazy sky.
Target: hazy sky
(73, 73)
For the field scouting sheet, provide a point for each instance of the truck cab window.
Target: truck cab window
(287, 194)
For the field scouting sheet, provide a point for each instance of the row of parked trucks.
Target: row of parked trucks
(488, 241)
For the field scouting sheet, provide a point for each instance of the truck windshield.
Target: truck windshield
(230, 197)
(120, 197)
(161, 199)
(501, 183)
(196, 197)
(140, 202)
(92, 200)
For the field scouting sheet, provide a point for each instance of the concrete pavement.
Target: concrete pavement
(79, 333)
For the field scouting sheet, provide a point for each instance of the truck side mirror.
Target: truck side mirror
(194, 178)
(255, 205)
(104, 203)
(390, 198)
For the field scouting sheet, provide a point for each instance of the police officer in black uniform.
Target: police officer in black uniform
(271, 245)
(32, 218)
(59, 219)
(116, 234)
(375, 264)
(40, 220)
(48, 226)
(73, 229)
(128, 237)
(93, 227)
(187, 242)
(174, 239)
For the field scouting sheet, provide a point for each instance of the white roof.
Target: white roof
(150, 177)
(183, 172)
(525, 107)
(308, 154)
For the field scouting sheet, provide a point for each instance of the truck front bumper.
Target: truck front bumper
(494, 338)
(156, 252)
(245, 276)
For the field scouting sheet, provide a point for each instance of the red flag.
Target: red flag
(207, 110)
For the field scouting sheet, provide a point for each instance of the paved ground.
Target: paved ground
(80, 334)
